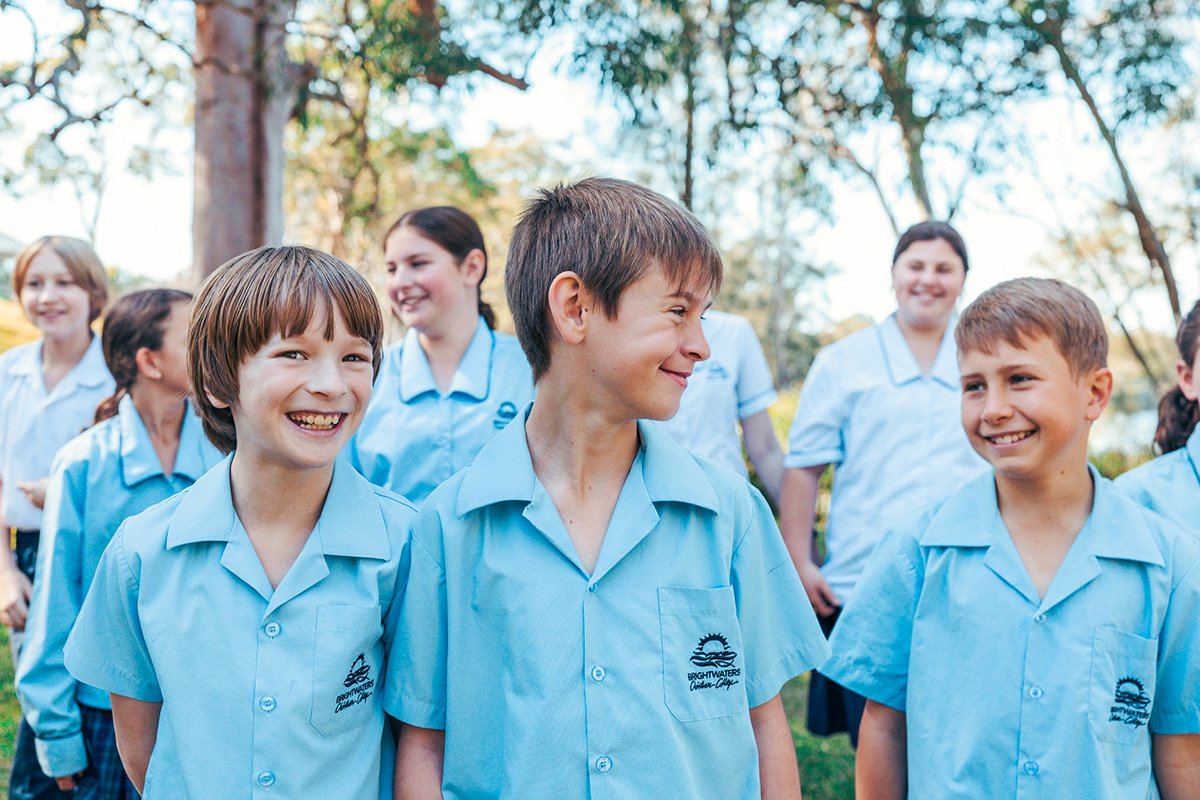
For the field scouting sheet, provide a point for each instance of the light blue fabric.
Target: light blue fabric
(1012, 695)
(100, 478)
(635, 681)
(414, 437)
(261, 689)
(1170, 485)
(894, 434)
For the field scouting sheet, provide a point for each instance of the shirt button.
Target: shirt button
(272, 629)
(592, 588)
(603, 764)
(1030, 768)
(267, 704)
(1035, 692)
(1040, 618)
(598, 673)
(266, 779)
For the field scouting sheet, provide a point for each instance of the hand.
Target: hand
(15, 591)
(68, 782)
(823, 600)
(35, 491)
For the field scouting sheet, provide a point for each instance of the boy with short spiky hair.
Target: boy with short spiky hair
(240, 626)
(1030, 635)
(591, 611)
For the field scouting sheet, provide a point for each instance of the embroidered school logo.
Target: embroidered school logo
(504, 414)
(1129, 703)
(715, 660)
(359, 682)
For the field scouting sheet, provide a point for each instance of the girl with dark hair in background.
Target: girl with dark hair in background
(1170, 484)
(454, 381)
(146, 446)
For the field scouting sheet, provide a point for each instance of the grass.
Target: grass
(10, 712)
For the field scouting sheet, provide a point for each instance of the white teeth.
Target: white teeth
(1010, 438)
(319, 422)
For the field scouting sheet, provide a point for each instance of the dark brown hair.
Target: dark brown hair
(611, 233)
(1177, 416)
(928, 232)
(81, 261)
(1017, 310)
(132, 322)
(249, 299)
(456, 232)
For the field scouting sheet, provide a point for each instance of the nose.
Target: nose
(325, 377)
(996, 407)
(695, 343)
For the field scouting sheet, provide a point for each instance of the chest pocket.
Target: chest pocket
(346, 668)
(703, 666)
(1121, 685)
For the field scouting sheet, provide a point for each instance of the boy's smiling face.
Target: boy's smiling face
(300, 399)
(641, 358)
(1025, 411)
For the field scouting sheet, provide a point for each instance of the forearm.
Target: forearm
(1177, 766)
(136, 724)
(881, 767)
(778, 774)
(797, 510)
(420, 755)
(765, 453)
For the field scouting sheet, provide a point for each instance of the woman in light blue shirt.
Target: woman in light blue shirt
(882, 405)
(146, 446)
(1170, 484)
(454, 381)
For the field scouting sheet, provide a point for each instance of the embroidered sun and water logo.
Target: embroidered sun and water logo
(1130, 703)
(504, 414)
(716, 662)
(359, 685)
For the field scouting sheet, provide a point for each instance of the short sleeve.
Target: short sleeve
(1177, 705)
(816, 436)
(755, 386)
(107, 648)
(415, 683)
(780, 633)
(872, 640)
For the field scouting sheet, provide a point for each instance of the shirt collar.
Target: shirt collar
(902, 364)
(503, 471)
(351, 522)
(1193, 451)
(139, 461)
(1116, 528)
(470, 378)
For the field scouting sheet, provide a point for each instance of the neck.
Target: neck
(446, 346)
(573, 442)
(1055, 494)
(67, 351)
(161, 410)
(924, 340)
(258, 486)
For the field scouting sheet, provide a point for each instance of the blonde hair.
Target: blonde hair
(256, 295)
(81, 261)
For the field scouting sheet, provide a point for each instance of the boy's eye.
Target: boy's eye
(972, 386)
(1020, 379)
(294, 355)
(357, 357)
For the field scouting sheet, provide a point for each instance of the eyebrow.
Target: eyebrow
(684, 294)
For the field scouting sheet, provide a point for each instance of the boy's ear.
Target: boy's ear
(216, 401)
(1183, 372)
(147, 363)
(570, 307)
(1100, 386)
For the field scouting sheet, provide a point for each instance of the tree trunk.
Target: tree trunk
(244, 95)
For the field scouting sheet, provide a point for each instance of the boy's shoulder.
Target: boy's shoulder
(1156, 470)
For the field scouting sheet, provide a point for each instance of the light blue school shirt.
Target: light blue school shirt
(414, 437)
(1170, 485)
(35, 423)
(265, 693)
(100, 478)
(633, 682)
(1009, 695)
(894, 434)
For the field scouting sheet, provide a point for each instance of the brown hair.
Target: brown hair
(931, 231)
(81, 261)
(134, 321)
(611, 233)
(249, 299)
(1017, 310)
(456, 232)
(1177, 416)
